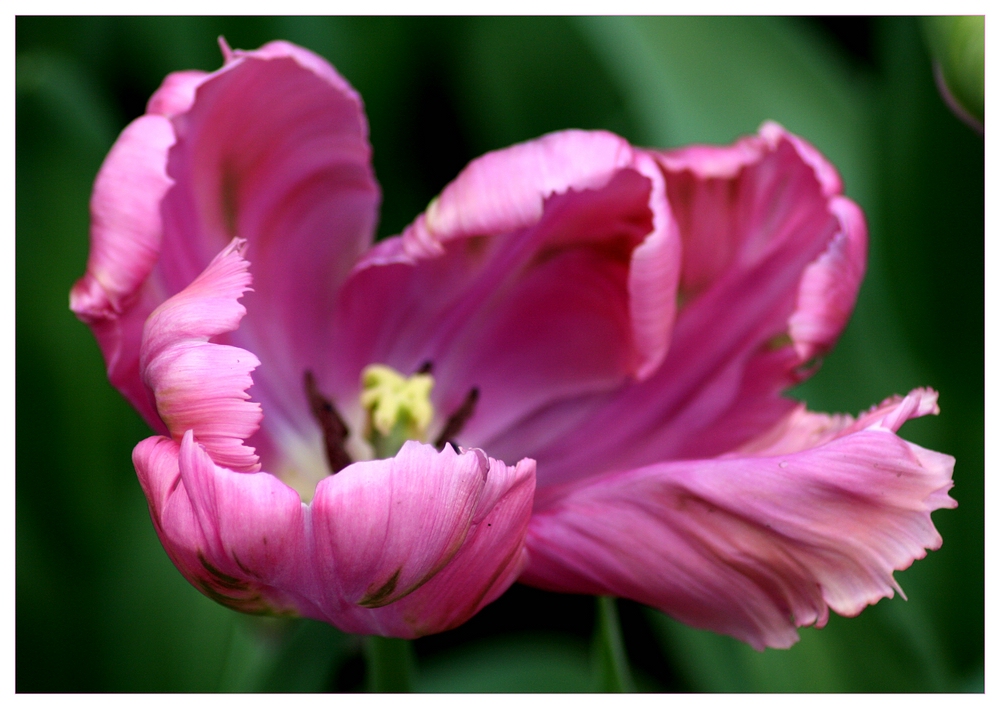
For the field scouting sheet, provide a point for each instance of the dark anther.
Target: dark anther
(334, 429)
(426, 368)
(457, 420)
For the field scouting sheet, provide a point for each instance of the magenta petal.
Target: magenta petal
(508, 190)
(490, 560)
(751, 547)
(583, 280)
(830, 284)
(198, 385)
(772, 262)
(274, 150)
(449, 529)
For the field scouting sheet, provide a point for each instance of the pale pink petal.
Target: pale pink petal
(453, 525)
(491, 559)
(386, 529)
(772, 265)
(750, 547)
(253, 524)
(237, 538)
(176, 93)
(802, 429)
(125, 233)
(198, 385)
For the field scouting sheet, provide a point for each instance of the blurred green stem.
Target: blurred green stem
(611, 669)
(390, 663)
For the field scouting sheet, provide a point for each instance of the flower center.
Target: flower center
(399, 408)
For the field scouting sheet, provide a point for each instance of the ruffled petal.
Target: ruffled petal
(803, 429)
(772, 262)
(564, 246)
(385, 528)
(752, 547)
(198, 385)
(273, 148)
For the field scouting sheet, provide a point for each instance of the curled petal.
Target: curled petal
(198, 385)
(564, 245)
(385, 528)
(238, 538)
(491, 559)
(772, 262)
(752, 546)
(274, 149)
(401, 547)
(505, 190)
(125, 232)
(802, 429)
(829, 286)
(510, 190)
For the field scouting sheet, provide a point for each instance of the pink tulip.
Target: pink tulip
(625, 318)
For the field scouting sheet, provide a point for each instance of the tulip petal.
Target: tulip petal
(751, 546)
(236, 537)
(176, 94)
(773, 260)
(491, 559)
(198, 385)
(125, 232)
(384, 528)
(564, 245)
(275, 150)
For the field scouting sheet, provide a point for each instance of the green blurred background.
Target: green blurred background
(100, 607)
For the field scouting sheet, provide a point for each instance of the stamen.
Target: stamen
(399, 408)
(334, 429)
(457, 420)
(426, 368)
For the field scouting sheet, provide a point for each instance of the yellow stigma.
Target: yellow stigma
(399, 408)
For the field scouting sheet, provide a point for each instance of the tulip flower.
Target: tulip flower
(568, 370)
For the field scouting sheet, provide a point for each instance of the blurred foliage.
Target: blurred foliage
(958, 45)
(100, 607)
